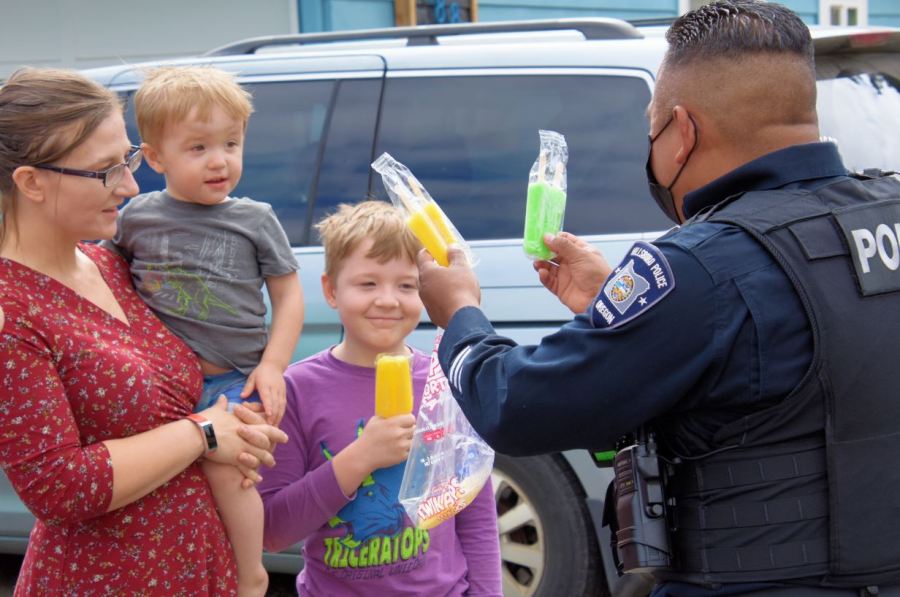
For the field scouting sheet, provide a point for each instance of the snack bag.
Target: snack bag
(546, 201)
(448, 463)
(423, 215)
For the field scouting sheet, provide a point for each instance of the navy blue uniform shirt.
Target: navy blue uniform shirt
(729, 337)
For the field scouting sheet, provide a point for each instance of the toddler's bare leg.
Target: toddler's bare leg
(242, 514)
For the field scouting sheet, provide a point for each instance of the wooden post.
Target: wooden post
(404, 12)
(473, 11)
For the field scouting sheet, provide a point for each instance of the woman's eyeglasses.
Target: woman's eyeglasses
(111, 176)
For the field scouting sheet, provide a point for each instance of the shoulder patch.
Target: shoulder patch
(642, 279)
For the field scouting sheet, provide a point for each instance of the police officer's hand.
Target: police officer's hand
(577, 272)
(446, 290)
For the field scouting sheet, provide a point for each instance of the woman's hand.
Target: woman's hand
(244, 439)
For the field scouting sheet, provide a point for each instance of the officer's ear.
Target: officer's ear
(686, 126)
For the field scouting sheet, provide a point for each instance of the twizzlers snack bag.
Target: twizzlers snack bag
(449, 462)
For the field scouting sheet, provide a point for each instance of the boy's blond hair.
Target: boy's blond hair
(169, 93)
(346, 229)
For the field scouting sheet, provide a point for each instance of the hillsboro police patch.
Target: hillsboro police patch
(642, 279)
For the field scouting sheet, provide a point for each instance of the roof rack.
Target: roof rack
(591, 28)
(652, 21)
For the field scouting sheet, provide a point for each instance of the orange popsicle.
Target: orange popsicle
(393, 386)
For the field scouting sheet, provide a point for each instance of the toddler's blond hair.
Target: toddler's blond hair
(169, 93)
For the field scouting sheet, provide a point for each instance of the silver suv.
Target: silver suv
(461, 106)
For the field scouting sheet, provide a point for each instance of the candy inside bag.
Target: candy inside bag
(546, 200)
(424, 216)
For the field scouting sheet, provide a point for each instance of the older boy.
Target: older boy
(199, 258)
(336, 486)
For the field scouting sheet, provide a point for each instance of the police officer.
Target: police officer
(758, 340)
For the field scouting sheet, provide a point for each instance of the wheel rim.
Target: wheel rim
(521, 537)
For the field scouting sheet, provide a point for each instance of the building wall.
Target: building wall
(503, 10)
(86, 33)
(325, 15)
(808, 10)
(884, 12)
(338, 15)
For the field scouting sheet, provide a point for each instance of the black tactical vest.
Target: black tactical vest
(810, 488)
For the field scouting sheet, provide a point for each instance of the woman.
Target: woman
(94, 391)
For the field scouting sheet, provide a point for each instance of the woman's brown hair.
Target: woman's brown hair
(44, 114)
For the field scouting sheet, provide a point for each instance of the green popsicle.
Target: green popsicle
(543, 214)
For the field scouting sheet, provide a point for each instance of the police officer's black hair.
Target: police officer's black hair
(731, 28)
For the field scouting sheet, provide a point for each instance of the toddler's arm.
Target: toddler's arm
(267, 378)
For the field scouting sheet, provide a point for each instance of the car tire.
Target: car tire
(548, 545)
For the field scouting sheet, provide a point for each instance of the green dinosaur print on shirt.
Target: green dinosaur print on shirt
(191, 292)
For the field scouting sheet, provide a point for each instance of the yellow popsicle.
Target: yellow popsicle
(440, 221)
(393, 386)
(422, 226)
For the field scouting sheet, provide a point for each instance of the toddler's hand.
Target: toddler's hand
(268, 380)
(386, 442)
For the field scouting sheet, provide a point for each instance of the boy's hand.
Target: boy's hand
(386, 442)
(382, 443)
(268, 380)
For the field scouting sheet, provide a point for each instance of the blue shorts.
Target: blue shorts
(230, 384)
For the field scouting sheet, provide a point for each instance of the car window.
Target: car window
(859, 107)
(344, 173)
(282, 148)
(280, 151)
(147, 179)
(471, 140)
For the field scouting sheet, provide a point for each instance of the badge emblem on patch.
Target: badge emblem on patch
(642, 279)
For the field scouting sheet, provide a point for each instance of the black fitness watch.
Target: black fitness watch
(206, 428)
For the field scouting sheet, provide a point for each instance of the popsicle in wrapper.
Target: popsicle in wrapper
(425, 218)
(429, 235)
(546, 201)
(393, 386)
(543, 214)
(439, 219)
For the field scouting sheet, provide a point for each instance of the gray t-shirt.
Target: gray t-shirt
(201, 269)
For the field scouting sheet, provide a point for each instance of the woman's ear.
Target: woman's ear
(152, 157)
(29, 183)
(328, 290)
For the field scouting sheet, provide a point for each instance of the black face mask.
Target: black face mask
(663, 195)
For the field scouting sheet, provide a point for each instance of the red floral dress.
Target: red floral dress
(72, 376)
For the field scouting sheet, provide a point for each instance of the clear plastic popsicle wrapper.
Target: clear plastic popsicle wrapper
(424, 216)
(546, 202)
(393, 386)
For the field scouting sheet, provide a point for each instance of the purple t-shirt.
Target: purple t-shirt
(366, 545)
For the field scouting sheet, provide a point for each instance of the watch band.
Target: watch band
(206, 428)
